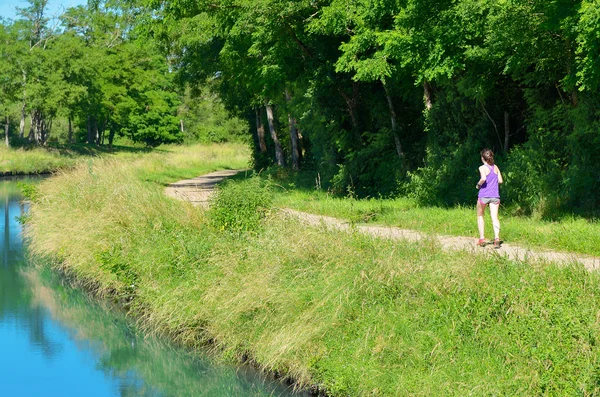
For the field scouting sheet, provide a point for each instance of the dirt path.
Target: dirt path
(198, 190)
(512, 251)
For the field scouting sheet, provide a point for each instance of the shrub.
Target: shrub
(240, 206)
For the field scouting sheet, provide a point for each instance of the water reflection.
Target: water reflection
(56, 341)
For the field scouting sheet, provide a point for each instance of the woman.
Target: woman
(490, 177)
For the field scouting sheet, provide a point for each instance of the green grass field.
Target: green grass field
(351, 314)
(33, 161)
(184, 161)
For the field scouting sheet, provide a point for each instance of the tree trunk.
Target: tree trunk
(43, 130)
(111, 137)
(23, 114)
(181, 126)
(506, 131)
(95, 131)
(350, 107)
(30, 137)
(294, 141)
(38, 128)
(34, 127)
(293, 136)
(90, 138)
(100, 134)
(6, 131)
(260, 131)
(427, 96)
(397, 142)
(300, 146)
(70, 138)
(278, 149)
(22, 123)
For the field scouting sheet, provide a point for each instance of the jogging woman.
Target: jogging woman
(490, 178)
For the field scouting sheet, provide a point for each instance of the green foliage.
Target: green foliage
(241, 206)
(350, 313)
(206, 120)
(374, 170)
(513, 76)
(504, 75)
(29, 190)
(94, 78)
(588, 48)
(156, 123)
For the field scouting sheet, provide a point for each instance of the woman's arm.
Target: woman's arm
(482, 177)
(500, 180)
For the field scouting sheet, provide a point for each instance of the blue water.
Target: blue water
(56, 341)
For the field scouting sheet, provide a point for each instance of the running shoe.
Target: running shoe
(496, 243)
(481, 242)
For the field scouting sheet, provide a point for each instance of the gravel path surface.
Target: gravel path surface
(512, 251)
(198, 191)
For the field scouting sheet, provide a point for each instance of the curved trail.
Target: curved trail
(198, 190)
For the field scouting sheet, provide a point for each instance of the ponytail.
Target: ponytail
(488, 156)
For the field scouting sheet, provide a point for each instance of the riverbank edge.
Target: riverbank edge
(11, 174)
(95, 289)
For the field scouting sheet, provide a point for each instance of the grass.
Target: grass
(352, 314)
(572, 234)
(122, 351)
(32, 161)
(181, 161)
(173, 163)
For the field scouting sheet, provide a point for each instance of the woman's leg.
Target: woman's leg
(480, 221)
(495, 220)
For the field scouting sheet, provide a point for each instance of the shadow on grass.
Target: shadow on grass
(83, 149)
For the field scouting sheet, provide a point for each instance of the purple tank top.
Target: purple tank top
(490, 186)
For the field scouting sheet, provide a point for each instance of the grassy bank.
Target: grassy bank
(181, 161)
(33, 161)
(30, 160)
(355, 315)
(123, 351)
(570, 233)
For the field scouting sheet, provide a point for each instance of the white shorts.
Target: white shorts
(489, 200)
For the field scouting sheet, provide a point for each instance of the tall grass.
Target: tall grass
(164, 164)
(32, 161)
(172, 163)
(123, 351)
(352, 314)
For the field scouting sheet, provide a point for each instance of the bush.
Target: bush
(241, 206)
(449, 177)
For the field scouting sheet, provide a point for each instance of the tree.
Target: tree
(9, 74)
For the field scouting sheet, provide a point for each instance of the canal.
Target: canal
(57, 341)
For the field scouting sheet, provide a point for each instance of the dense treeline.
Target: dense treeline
(91, 71)
(380, 97)
(386, 97)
